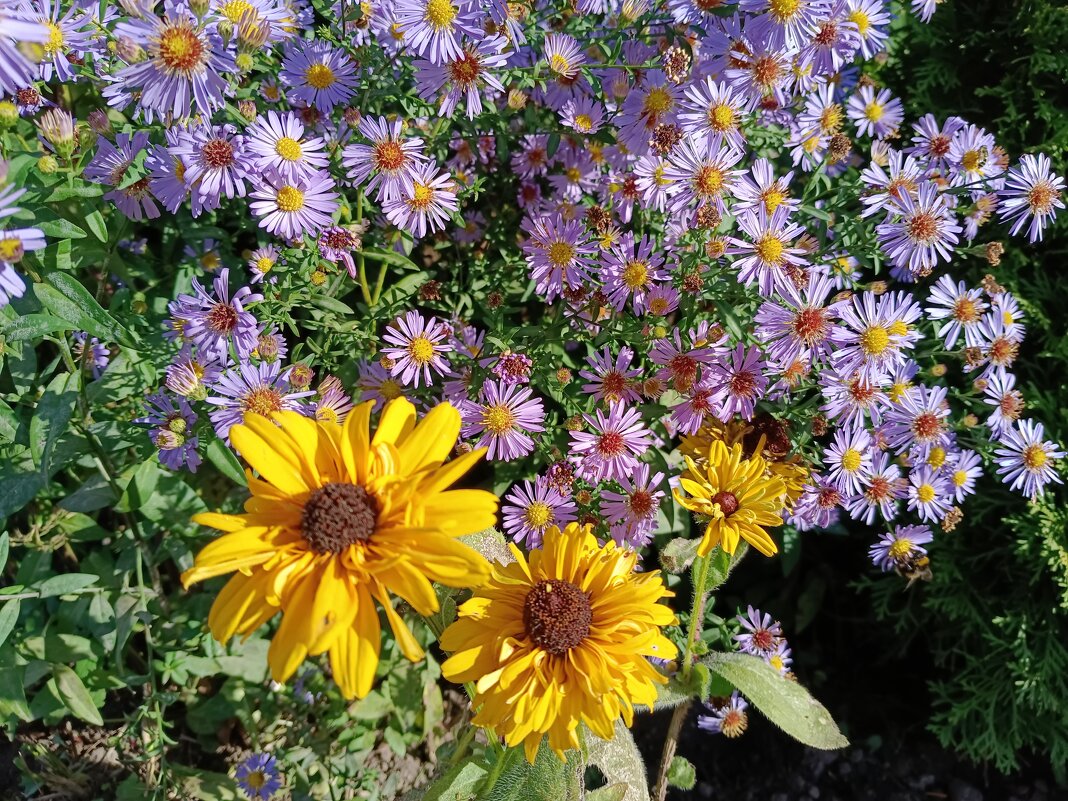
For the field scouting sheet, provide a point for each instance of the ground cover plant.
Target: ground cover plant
(388, 388)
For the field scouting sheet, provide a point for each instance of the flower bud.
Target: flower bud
(9, 114)
(99, 122)
(47, 164)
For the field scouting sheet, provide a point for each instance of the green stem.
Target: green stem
(697, 611)
(505, 756)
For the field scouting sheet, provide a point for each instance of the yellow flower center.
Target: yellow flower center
(325, 414)
(937, 457)
(573, 174)
(538, 515)
(498, 419)
(851, 460)
(55, 39)
(561, 253)
(769, 248)
(1034, 457)
(657, 101)
(965, 311)
(925, 493)
(389, 389)
(960, 477)
(210, 260)
(972, 160)
(783, 9)
(10, 250)
(421, 196)
(900, 549)
(776, 662)
(861, 20)
(440, 13)
(831, 119)
(262, 400)
(583, 122)
(290, 198)
(264, 264)
(180, 49)
(709, 180)
(721, 117)
(421, 350)
(875, 340)
(636, 274)
(773, 198)
(874, 111)
(559, 64)
(234, 10)
(898, 328)
(320, 76)
(289, 149)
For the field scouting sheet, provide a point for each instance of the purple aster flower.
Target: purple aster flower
(659, 301)
(901, 177)
(262, 260)
(869, 342)
(376, 384)
(505, 417)
(918, 420)
(276, 143)
(699, 172)
(111, 162)
(920, 232)
(579, 176)
(67, 36)
(611, 379)
(632, 512)
(185, 57)
(740, 382)
(216, 162)
(14, 242)
(960, 308)
(833, 38)
(189, 374)
(16, 71)
(963, 474)
(872, 20)
(875, 114)
(166, 175)
(930, 493)
(533, 507)
(90, 353)
(931, 141)
(782, 25)
(768, 257)
(563, 54)
(419, 346)
(881, 488)
(173, 423)
(729, 719)
(389, 157)
(433, 27)
(258, 777)
(818, 506)
(900, 547)
(318, 74)
(1008, 402)
(583, 114)
(848, 459)
(611, 451)
(713, 109)
(1032, 192)
(971, 154)
(334, 403)
(797, 323)
(212, 322)
(761, 633)
(461, 77)
(558, 255)
(760, 70)
(1025, 458)
(292, 208)
(781, 658)
(631, 270)
(425, 201)
(532, 158)
(681, 363)
(700, 400)
(11, 283)
(513, 368)
(852, 399)
(759, 188)
(252, 389)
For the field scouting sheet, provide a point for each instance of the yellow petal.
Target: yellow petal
(356, 441)
(274, 468)
(432, 440)
(398, 418)
(405, 641)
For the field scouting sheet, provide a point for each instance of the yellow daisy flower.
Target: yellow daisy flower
(337, 520)
(559, 640)
(737, 495)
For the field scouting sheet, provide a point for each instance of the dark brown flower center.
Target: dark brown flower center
(336, 516)
(728, 502)
(218, 153)
(557, 615)
(222, 318)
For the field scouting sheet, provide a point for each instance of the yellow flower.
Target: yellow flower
(561, 640)
(737, 495)
(338, 520)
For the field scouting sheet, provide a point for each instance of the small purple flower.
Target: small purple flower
(897, 548)
(532, 507)
(919, 232)
(254, 389)
(930, 493)
(918, 420)
(90, 353)
(318, 74)
(419, 346)
(258, 777)
(1025, 458)
(583, 114)
(729, 719)
(462, 76)
(212, 322)
(292, 208)
(611, 451)
(433, 27)
(173, 423)
(389, 157)
(632, 512)
(334, 403)
(740, 382)
(276, 143)
(505, 417)
(216, 162)
(558, 254)
(848, 459)
(875, 115)
(513, 368)
(611, 379)
(189, 375)
(632, 269)
(425, 201)
(1032, 192)
(768, 253)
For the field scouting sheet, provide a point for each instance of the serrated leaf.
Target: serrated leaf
(224, 459)
(74, 694)
(9, 615)
(784, 702)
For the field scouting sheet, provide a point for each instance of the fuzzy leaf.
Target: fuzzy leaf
(785, 703)
(620, 762)
(678, 554)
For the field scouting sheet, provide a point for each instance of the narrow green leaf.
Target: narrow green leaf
(34, 326)
(141, 486)
(65, 583)
(60, 229)
(59, 194)
(51, 418)
(9, 615)
(390, 257)
(95, 221)
(74, 694)
(56, 256)
(784, 702)
(332, 304)
(5, 549)
(224, 459)
(9, 427)
(65, 297)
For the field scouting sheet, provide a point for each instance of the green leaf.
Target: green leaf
(67, 193)
(331, 304)
(723, 563)
(65, 297)
(33, 326)
(390, 257)
(13, 694)
(610, 792)
(69, 687)
(9, 615)
(681, 773)
(95, 221)
(784, 702)
(57, 256)
(678, 554)
(5, 548)
(620, 762)
(224, 459)
(66, 583)
(60, 229)
(51, 418)
(9, 426)
(458, 784)
(142, 485)
(548, 779)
